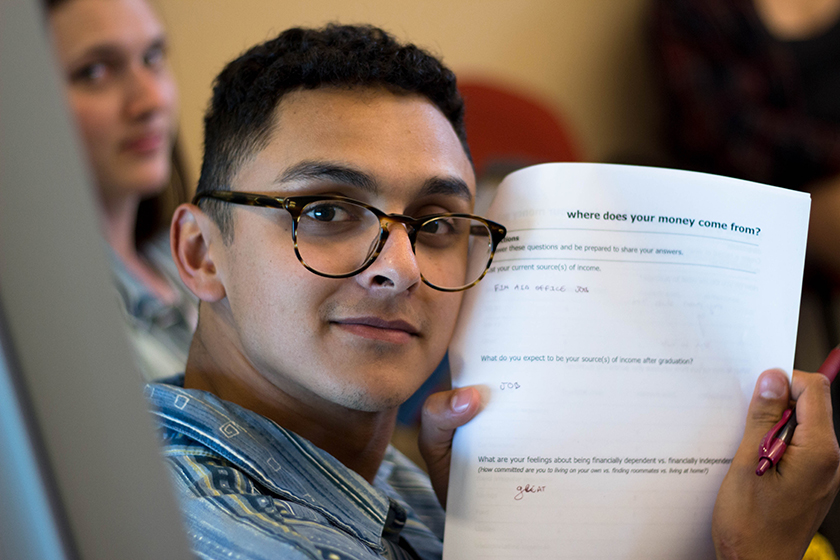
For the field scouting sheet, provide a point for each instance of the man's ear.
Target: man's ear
(190, 236)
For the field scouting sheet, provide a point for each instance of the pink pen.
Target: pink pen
(775, 443)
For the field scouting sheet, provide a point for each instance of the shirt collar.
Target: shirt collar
(278, 459)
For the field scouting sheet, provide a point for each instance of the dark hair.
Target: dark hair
(155, 214)
(246, 93)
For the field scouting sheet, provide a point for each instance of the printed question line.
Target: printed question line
(497, 260)
(714, 237)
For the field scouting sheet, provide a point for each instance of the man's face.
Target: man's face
(369, 341)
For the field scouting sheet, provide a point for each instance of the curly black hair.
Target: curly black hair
(239, 120)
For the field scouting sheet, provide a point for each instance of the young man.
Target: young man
(325, 305)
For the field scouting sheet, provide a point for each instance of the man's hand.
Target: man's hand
(442, 413)
(776, 515)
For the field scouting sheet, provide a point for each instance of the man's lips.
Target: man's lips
(397, 331)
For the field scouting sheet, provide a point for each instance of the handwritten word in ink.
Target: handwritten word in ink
(557, 288)
(550, 288)
(516, 287)
(527, 489)
(509, 385)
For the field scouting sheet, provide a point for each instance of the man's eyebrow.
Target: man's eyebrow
(337, 173)
(331, 172)
(447, 186)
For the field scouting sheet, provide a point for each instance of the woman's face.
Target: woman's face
(113, 54)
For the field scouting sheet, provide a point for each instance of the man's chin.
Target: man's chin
(367, 400)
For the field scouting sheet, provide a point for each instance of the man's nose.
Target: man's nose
(396, 268)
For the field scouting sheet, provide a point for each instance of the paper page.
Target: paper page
(619, 335)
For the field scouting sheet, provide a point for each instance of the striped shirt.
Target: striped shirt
(160, 333)
(251, 489)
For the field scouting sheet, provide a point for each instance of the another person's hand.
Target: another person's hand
(776, 515)
(442, 413)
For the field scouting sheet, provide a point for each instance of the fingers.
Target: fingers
(442, 413)
(812, 393)
(775, 516)
(815, 429)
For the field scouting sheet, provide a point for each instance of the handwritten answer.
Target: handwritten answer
(527, 489)
(560, 288)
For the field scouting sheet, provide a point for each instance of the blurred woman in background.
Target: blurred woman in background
(753, 91)
(112, 54)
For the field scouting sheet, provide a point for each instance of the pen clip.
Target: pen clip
(767, 442)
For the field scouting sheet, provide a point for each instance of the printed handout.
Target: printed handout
(618, 336)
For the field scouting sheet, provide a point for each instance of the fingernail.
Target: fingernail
(460, 401)
(772, 387)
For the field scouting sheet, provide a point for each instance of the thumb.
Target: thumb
(442, 413)
(770, 399)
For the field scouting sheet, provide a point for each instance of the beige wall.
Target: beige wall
(584, 57)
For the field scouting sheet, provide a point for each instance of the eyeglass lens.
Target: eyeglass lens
(338, 237)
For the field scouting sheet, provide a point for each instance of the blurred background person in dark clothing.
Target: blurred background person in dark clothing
(752, 90)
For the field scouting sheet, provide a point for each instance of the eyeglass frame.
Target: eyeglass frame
(294, 205)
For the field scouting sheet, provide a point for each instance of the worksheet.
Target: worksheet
(617, 339)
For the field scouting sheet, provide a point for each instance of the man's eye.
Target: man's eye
(440, 226)
(330, 212)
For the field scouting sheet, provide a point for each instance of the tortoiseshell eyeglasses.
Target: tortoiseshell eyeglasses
(338, 237)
